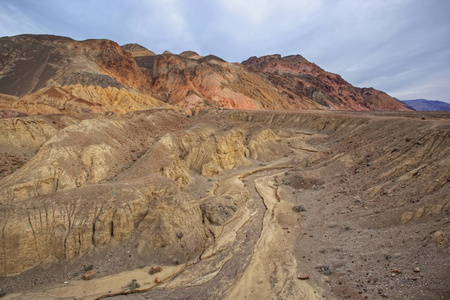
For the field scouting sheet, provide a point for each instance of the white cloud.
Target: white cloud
(386, 44)
(15, 22)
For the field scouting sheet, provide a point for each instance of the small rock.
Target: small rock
(417, 269)
(154, 270)
(89, 275)
(157, 280)
(302, 276)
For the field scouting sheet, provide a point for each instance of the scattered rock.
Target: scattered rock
(154, 270)
(323, 269)
(89, 275)
(417, 269)
(302, 276)
(88, 267)
(157, 280)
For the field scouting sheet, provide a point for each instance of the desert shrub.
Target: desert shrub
(298, 208)
(88, 267)
(233, 207)
(133, 285)
(286, 181)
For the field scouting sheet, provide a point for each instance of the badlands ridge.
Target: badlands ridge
(117, 161)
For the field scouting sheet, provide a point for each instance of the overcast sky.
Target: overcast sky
(399, 46)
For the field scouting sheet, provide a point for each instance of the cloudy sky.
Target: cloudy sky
(399, 46)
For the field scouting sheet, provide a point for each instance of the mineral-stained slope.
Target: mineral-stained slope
(31, 62)
(307, 84)
(209, 81)
(79, 99)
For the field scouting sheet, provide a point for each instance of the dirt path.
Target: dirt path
(272, 271)
(101, 287)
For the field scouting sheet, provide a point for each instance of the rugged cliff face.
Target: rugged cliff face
(308, 85)
(99, 179)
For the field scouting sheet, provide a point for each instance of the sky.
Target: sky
(401, 47)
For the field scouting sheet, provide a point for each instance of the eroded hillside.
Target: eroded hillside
(210, 198)
(43, 70)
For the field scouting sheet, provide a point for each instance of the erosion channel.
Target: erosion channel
(233, 205)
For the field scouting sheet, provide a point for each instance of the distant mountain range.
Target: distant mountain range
(427, 105)
(53, 74)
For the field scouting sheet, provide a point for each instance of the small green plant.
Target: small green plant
(286, 155)
(88, 267)
(133, 285)
(287, 173)
(209, 179)
(263, 164)
(141, 266)
(286, 181)
(298, 208)
(74, 274)
(233, 207)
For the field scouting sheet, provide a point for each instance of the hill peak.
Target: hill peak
(137, 50)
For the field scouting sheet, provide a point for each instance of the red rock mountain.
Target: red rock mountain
(30, 63)
(305, 83)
